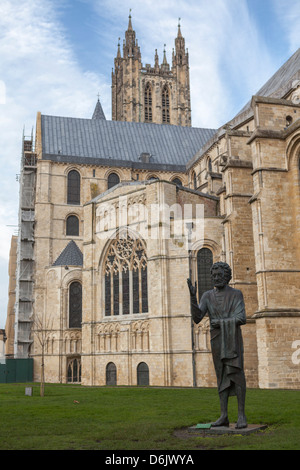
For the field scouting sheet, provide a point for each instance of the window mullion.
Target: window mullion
(130, 292)
(121, 292)
(140, 290)
(112, 293)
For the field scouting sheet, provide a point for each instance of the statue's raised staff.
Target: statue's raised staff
(226, 310)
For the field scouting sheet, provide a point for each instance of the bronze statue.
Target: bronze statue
(226, 310)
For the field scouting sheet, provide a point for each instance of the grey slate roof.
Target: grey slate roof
(99, 141)
(70, 256)
(98, 112)
(276, 87)
(280, 83)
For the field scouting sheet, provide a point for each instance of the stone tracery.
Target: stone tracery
(126, 276)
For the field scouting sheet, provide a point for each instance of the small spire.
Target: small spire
(179, 35)
(129, 22)
(165, 62)
(98, 112)
(165, 66)
(119, 50)
(156, 61)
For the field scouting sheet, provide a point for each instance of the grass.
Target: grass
(139, 418)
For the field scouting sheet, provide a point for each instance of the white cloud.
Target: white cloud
(288, 12)
(228, 57)
(39, 72)
(38, 62)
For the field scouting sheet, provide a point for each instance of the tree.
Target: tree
(41, 328)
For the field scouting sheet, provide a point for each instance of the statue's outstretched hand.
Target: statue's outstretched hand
(193, 289)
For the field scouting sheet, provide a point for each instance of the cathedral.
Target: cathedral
(114, 216)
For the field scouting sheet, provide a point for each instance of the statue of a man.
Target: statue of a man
(226, 310)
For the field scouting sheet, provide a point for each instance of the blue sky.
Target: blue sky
(57, 55)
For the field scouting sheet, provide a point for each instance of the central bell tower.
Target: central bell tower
(155, 94)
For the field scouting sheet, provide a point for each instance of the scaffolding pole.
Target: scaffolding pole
(25, 250)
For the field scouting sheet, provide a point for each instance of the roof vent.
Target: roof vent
(145, 157)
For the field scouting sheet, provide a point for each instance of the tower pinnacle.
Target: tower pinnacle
(129, 22)
(153, 94)
(179, 35)
(165, 65)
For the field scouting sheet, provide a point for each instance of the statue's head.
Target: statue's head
(220, 273)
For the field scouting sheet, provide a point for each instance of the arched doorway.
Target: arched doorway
(111, 374)
(142, 374)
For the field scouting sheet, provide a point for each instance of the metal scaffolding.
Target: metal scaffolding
(25, 250)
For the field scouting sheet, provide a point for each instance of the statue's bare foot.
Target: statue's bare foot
(222, 421)
(241, 422)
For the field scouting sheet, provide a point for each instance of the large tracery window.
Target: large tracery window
(165, 105)
(148, 103)
(125, 280)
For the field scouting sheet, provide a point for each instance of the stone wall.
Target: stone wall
(278, 339)
(251, 221)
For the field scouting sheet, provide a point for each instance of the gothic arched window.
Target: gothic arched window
(72, 225)
(204, 264)
(125, 280)
(113, 180)
(165, 105)
(148, 103)
(177, 181)
(209, 164)
(75, 305)
(73, 192)
(74, 370)
(111, 374)
(194, 177)
(142, 374)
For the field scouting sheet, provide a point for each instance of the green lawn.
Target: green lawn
(139, 418)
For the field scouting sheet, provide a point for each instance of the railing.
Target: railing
(27, 147)
(30, 159)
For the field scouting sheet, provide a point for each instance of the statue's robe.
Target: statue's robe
(227, 306)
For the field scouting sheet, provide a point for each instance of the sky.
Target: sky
(56, 56)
